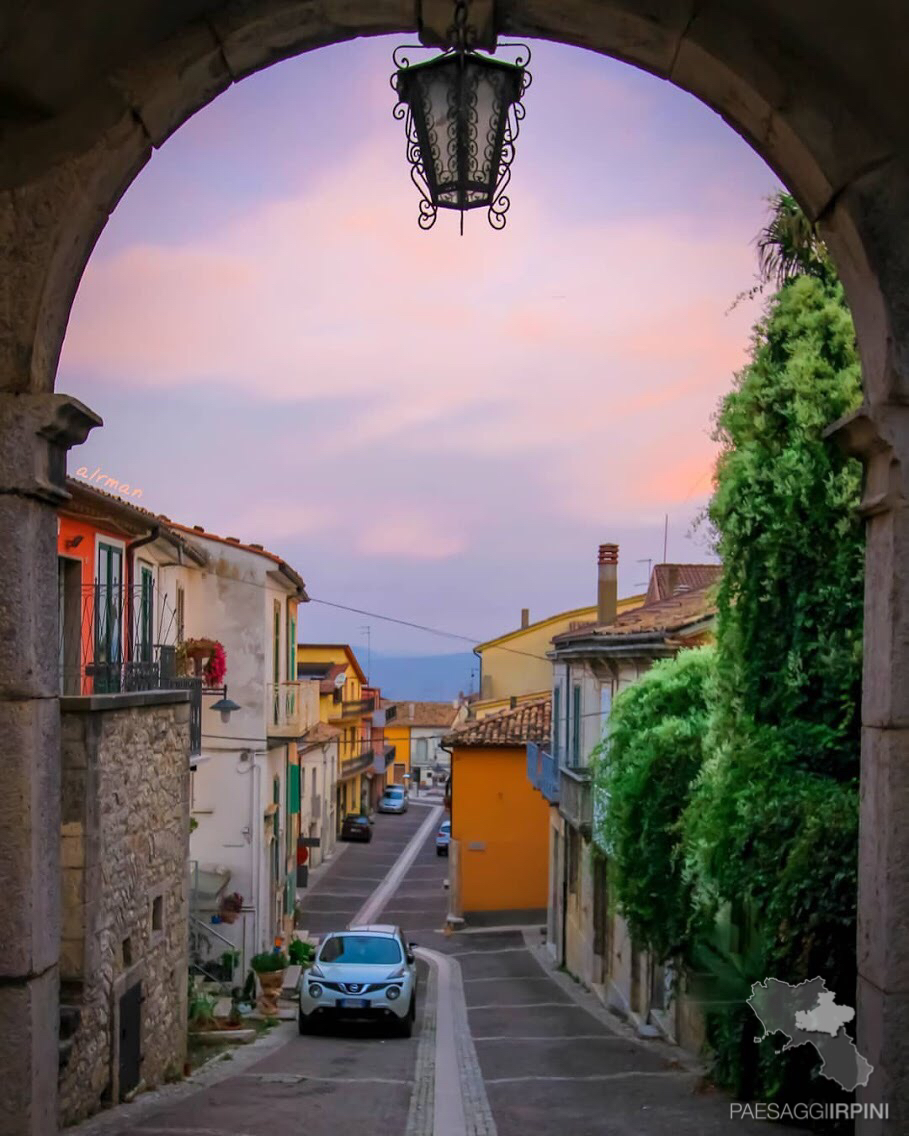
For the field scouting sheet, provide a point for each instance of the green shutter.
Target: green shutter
(293, 789)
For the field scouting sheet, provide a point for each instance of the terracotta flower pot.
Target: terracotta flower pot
(271, 983)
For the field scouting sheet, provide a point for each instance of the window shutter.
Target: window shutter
(576, 726)
(293, 789)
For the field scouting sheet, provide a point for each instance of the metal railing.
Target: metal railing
(576, 798)
(348, 708)
(117, 640)
(359, 763)
(292, 707)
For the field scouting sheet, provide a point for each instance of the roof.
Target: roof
(529, 722)
(318, 734)
(128, 513)
(577, 613)
(664, 617)
(668, 580)
(201, 533)
(98, 505)
(331, 668)
(424, 713)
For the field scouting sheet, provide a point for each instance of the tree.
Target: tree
(645, 773)
(773, 820)
(789, 245)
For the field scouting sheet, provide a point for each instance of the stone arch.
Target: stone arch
(817, 88)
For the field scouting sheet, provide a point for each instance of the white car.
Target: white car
(443, 838)
(393, 800)
(363, 972)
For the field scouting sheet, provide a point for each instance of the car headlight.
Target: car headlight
(315, 971)
(392, 993)
(401, 972)
(315, 990)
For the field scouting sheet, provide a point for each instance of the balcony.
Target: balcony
(292, 707)
(353, 708)
(534, 765)
(359, 763)
(576, 798)
(383, 758)
(549, 777)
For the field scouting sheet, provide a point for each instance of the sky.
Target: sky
(432, 427)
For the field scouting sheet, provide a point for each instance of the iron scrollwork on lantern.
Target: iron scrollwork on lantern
(462, 112)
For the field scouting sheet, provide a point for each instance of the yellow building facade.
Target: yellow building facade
(344, 704)
(515, 665)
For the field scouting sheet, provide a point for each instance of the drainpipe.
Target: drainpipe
(479, 675)
(130, 573)
(564, 959)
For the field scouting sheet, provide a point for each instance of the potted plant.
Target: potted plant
(300, 953)
(269, 967)
(230, 907)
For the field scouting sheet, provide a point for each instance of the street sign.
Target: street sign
(309, 842)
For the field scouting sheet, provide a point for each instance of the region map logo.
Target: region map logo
(808, 1014)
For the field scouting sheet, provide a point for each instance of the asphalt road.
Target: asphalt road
(532, 1061)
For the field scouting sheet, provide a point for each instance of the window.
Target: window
(576, 726)
(181, 613)
(422, 750)
(146, 614)
(291, 642)
(314, 783)
(556, 718)
(277, 643)
(605, 705)
(108, 619)
(157, 914)
(361, 950)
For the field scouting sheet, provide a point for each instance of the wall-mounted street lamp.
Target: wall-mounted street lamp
(225, 706)
(462, 111)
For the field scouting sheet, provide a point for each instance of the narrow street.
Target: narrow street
(501, 1046)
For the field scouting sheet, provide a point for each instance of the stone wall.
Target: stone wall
(125, 846)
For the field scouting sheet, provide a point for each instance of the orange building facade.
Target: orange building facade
(499, 853)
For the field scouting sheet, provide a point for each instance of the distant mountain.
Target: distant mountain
(423, 678)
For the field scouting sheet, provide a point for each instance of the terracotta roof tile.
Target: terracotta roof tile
(424, 713)
(669, 580)
(667, 616)
(529, 722)
(318, 734)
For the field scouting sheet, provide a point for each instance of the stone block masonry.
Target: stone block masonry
(124, 865)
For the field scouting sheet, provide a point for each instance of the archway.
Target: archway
(817, 93)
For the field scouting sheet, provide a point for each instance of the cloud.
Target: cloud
(410, 397)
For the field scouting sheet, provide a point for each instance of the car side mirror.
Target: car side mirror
(410, 956)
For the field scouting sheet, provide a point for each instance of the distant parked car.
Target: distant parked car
(393, 800)
(356, 828)
(443, 838)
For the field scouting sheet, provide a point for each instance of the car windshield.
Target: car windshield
(362, 950)
(394, 792)
(446, 827)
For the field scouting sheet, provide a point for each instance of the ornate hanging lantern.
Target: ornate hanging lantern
(462, 111)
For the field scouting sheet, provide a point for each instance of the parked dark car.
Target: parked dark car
(356, 828)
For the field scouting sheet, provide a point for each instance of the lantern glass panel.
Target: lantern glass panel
(460, 107)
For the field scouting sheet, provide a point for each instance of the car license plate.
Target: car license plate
(353, 1003)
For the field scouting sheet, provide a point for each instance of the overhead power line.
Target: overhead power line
(423, 627)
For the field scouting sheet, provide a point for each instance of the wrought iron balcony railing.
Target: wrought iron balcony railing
(350, 708)
(359, 763)
(118, 640)
(576, 798)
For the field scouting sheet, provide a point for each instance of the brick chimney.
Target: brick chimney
(607, 583)
(525, 617)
